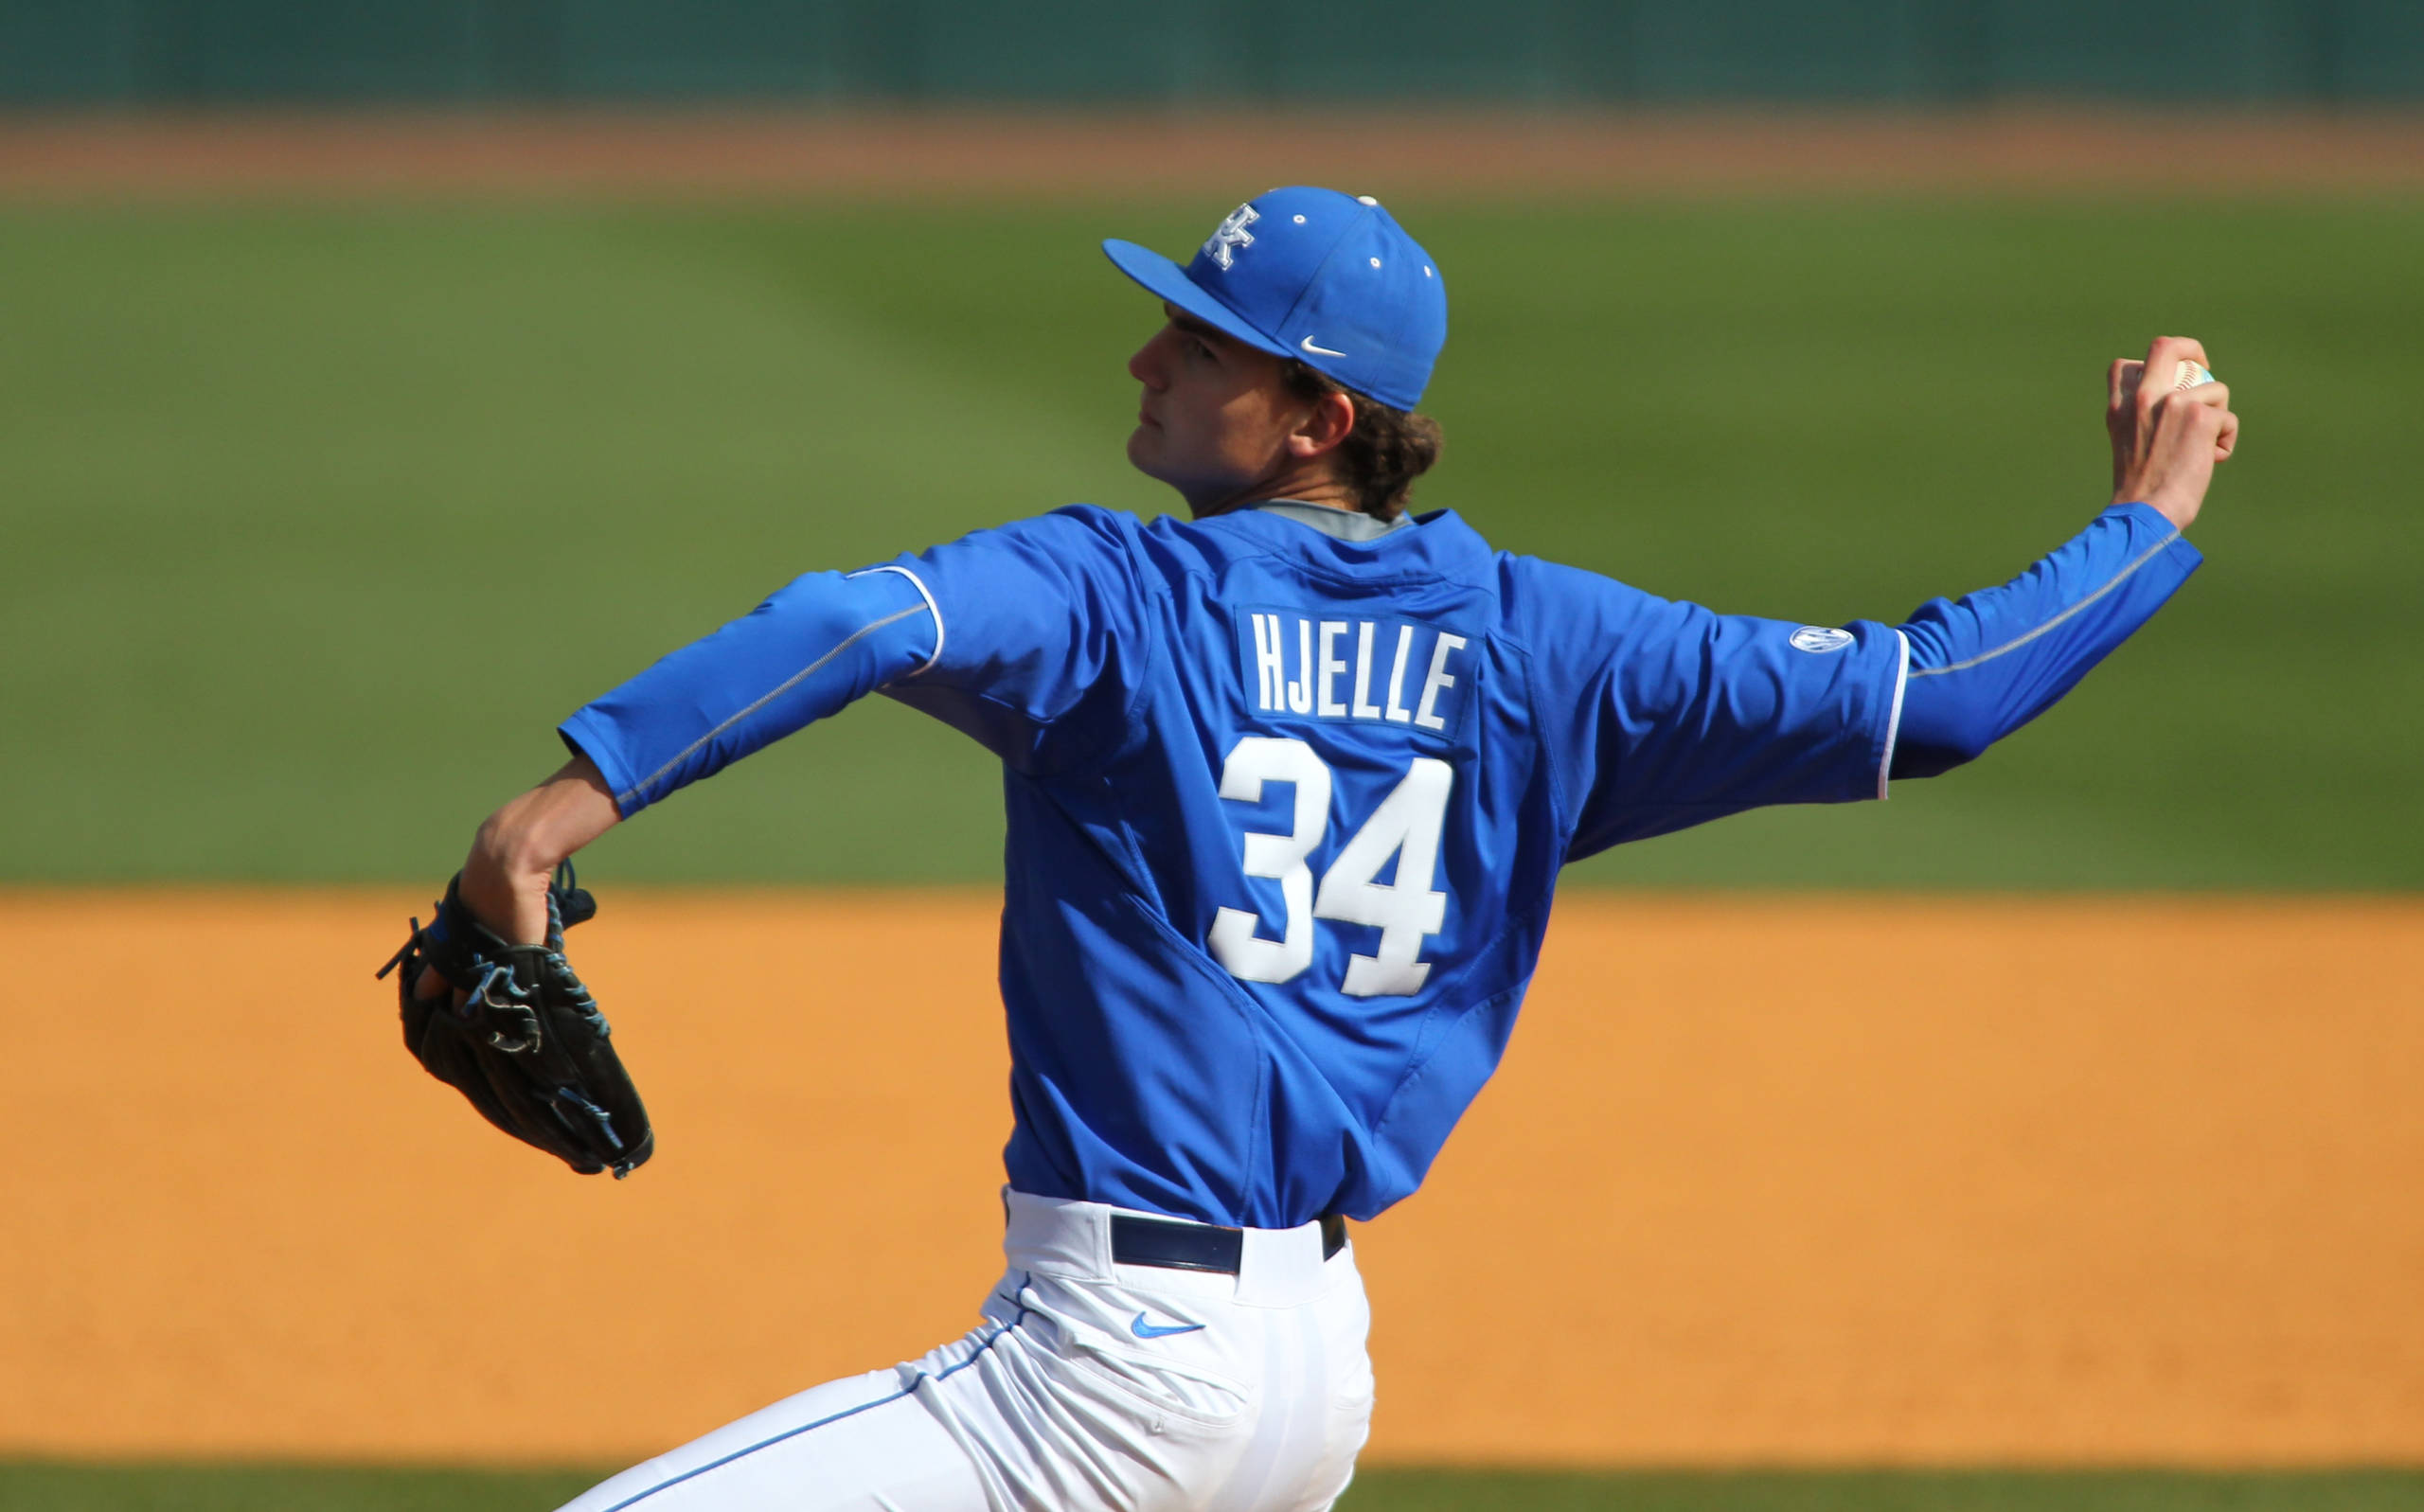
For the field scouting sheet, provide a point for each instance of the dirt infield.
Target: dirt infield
(1810, 1180)
(2180, 151)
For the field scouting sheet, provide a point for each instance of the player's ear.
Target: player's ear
(1326, 423)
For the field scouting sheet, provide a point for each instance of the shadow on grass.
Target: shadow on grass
(1426, 1491)
(54, 1487)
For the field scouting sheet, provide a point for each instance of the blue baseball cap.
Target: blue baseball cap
(1327, 278)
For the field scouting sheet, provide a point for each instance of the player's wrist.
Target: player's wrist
(516, 852)
(504, 880)
(2180, 511)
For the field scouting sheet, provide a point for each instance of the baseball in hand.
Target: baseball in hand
(2189, 375)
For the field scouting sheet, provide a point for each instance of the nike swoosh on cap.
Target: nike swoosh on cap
(1323, 351)
(1149, 1330)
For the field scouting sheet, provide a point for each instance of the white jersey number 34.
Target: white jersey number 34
(1405, 911)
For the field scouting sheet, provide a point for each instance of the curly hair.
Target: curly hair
(1386, 451)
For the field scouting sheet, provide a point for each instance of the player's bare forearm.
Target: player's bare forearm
(519, 846)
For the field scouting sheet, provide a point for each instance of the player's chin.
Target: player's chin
(1145, 449)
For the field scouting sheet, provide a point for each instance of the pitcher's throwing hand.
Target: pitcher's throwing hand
(2166, 440)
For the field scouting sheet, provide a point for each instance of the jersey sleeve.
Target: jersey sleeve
(812, 648)
(1665, 715)
(1042, 635)
(1989, 662)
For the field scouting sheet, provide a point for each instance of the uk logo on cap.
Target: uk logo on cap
(1230, 234)
(1327, 278)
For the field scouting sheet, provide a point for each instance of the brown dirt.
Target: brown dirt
(996, 154)
(1809, 1180)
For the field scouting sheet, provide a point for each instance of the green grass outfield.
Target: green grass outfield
(61, 1488)
(316, 520)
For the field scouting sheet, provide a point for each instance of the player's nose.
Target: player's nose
(1146, 365)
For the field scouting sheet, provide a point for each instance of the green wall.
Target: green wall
(184, 52)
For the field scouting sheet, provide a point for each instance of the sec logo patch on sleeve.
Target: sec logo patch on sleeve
(1818, 639)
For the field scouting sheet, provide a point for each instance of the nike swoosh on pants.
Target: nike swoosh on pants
(1147, 1330)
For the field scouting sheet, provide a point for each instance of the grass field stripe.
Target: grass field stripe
(851, 1411)
(792, 681)
(2118, 578)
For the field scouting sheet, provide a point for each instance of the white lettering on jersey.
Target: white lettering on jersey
(1330, 708)
(1407, 908)
(1398, 712)
(1270, 671)
(1300, 692)
(1365, 708)
(1256, 760)
(1300, 664)
(1438, 681)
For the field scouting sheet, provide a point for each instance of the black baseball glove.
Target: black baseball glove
(521, 1037)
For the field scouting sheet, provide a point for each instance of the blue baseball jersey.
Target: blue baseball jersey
(1285, 811)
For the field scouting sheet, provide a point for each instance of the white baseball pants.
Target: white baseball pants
(1091, 1385)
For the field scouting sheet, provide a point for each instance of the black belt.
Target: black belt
(1175, 1244)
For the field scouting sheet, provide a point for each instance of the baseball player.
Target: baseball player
(1289, 782)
